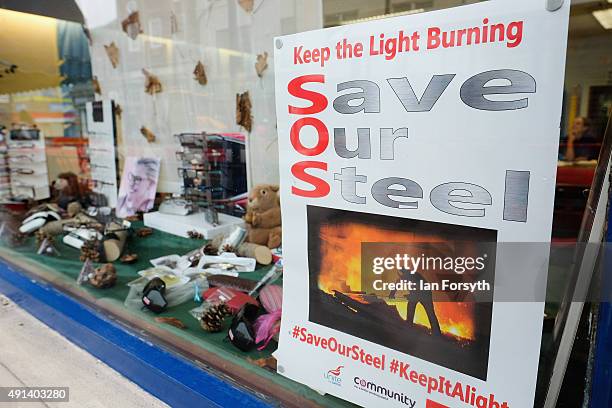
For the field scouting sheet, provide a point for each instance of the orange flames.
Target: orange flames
(455, 318)
(341, 271)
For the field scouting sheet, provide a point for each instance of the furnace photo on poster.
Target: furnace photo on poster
(448, 328)
(138, 185)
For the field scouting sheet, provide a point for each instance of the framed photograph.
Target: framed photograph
(429, 323)
(138, 185)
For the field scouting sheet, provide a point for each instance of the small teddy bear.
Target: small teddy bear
(263, 216)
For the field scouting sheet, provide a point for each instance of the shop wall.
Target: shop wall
(226, 39)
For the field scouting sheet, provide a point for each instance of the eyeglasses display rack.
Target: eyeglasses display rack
(27, 162)
(5, 177)
(201, 155)
(202, 171)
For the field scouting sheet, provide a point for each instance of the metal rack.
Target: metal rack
(5, 179)
(212, 169)
(200, 157)
(27, 162)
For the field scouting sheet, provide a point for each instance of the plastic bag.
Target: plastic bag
(174, 295)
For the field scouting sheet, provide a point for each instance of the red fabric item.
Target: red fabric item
(234, 299)
(218, 295)
(237, 302)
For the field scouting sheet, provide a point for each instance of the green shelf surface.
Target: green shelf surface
(66, 267)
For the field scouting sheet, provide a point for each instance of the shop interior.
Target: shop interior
(139, 163)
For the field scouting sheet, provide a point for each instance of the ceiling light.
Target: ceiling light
(604, 17)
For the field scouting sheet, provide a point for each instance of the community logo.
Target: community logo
(383, 392)
(333, 376)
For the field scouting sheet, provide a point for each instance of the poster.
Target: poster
(414, 152)
(138, 185)
(101, 150)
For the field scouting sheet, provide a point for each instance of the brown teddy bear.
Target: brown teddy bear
(263, 216)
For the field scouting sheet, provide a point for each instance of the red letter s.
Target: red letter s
(321, 188)
(319, 101)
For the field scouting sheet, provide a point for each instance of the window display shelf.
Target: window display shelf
(173, 378)
(205, 349)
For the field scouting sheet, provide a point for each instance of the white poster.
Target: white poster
(411, 150)
(102, 152)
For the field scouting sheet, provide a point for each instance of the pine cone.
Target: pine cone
(90, 250)
(17, 239)
(41, 236)
(228, 248)
(193, 234)
(210, 249)
(212, 320)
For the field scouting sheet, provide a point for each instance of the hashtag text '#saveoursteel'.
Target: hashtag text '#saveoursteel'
(353, 352)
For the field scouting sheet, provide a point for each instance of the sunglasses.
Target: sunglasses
(22, 171)
(25, 134)
(154, 296)
(31, 190)
(199, 173)
(191, 157)
(21, 158)
(191, 139)
(25, 146)
(242, 332)
(198, 139)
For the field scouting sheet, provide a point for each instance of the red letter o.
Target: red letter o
(322, 133)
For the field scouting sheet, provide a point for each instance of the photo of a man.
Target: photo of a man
(138, 186)
(422, 297)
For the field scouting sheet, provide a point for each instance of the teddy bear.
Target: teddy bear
(263, 216)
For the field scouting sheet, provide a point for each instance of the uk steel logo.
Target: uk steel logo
(333, 376)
